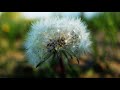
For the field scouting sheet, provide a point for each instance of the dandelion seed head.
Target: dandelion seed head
(55, 34)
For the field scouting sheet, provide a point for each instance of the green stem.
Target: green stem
(62, 73)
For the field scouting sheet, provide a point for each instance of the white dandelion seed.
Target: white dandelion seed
(56, 34)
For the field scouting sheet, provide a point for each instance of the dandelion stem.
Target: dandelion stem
(62, 73)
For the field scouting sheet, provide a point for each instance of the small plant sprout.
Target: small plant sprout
(57, 38)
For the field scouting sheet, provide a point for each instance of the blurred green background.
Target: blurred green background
(103, 62)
